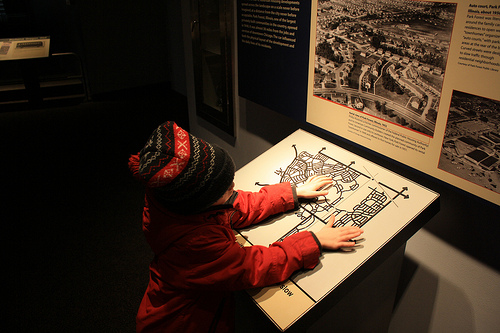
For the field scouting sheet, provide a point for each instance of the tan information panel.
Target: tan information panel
(417, 81)
(283, 303)
(24, 48)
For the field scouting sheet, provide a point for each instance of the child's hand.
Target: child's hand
(335, 238)
(310, 188)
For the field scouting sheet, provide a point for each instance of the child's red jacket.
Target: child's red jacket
(198, 261)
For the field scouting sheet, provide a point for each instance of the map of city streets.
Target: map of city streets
(362, 194)
(346, 180)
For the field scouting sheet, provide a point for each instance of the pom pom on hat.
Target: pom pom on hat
(186, 174)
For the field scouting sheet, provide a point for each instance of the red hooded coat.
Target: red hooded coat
(198, 261)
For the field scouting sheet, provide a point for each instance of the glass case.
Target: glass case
(213, 68)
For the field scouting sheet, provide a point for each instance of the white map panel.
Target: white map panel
(363, 194)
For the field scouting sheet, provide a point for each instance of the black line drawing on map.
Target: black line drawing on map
(355, 197)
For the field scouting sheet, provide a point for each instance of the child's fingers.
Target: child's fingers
(347, 233)
(347, 244)
(331, 221)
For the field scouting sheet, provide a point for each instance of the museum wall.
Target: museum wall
(120, 44)
(450, 275)
(139, 50)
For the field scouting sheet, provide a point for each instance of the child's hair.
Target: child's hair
(185, 173)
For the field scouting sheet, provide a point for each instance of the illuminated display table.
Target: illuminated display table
(388, 207)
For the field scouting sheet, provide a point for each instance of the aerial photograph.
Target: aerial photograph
(471, 145)
(384, 58)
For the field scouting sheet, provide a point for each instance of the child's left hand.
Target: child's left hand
(310, 188)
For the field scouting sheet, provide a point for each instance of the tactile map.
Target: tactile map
(362, 194)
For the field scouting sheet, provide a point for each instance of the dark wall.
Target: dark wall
(32, 18)
(122, 43)
(125, 43)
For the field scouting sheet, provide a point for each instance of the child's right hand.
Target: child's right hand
(335, 238)
(311, 188)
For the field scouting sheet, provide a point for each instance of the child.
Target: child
(190, 210)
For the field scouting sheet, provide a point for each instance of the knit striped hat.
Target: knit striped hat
(185, 173)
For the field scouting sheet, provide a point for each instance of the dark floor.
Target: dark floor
(74, 253)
